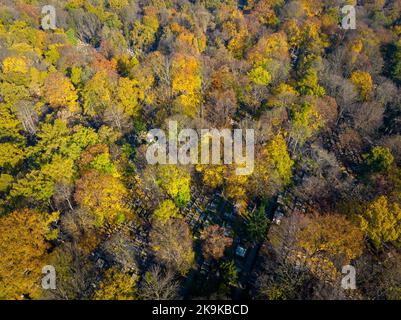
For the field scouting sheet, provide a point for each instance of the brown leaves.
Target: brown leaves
(214, 242)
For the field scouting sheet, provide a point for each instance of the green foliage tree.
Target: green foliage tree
(229, 273)
(379, 159)
(258, 224)
(175, 181)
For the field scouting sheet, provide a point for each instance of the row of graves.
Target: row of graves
(127, 247)
(287, 203)
(207, 209)
(127, 244)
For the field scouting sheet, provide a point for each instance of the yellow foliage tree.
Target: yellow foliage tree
(363, 83)
(165, 211)
(186, 84)
(60, 92)
(212, 175)
(10, 154)
(175, 182)
(329, 242)
(382, 222)
(312, 7)
(104, 195)
(129, 95)
(274, 166)
(14, 64)
(97, 94)
(23, 246)
(116, 285)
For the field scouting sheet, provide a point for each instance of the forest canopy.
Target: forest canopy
(82, 83)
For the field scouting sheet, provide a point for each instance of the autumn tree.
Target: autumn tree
(363, 83)
(10, 154)
(23, 248)
(175, 181)
(172, 244)
(116, 285)
(379, 158)
(166, 210)
(75, 273)
(214, 242)
(119, 249)
(60, 92)
(279, 255)
(186, 84)
(144, 32)
(330, 241)
(381, 221)
(159, 284)
(305, 122)
(102, 194)
(273, 167)
(308, 85)
(80, 226)
(97, 94)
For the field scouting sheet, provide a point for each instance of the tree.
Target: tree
(259, 76)
(125, 103)
(305, 122)
(23, 247)
(159, 284)
(60, 92)
(80, 226)
(97, 94)
(27, 115)
(272, 168)
(40, 184)
(379, 159)
(165, 211)
(230, 273)
(172, 244)
(264, 11)
(258, 225)
(271, 54)
(212, 175)
(382, 222)
(236, 189)
(394, 64)
(331, 237)
(175, 181)
(144, 33)
(14, 64)
(363, 83)
(314, 246)
(57, 138)
(312, 8)
(214, 242)
(186, 84)
(102, 194)
(116, 285)
(10, 154)
(283, 270)
(119, 249)
(75, 273)
(308, 85)
(129, 95)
